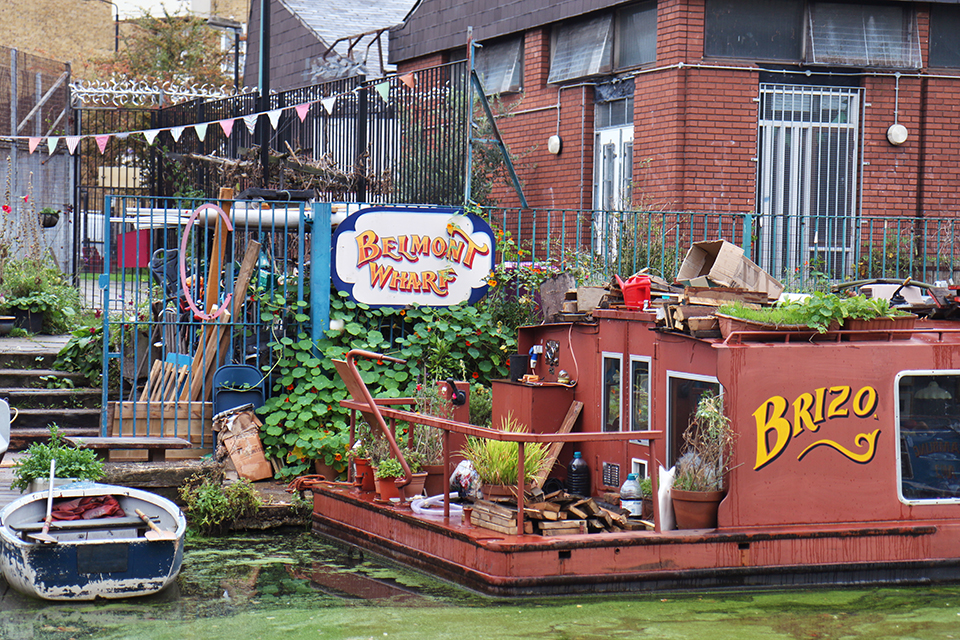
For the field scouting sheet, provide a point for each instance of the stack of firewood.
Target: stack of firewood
(554, 514)
(694, 312)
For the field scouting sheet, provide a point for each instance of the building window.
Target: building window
(581, 49)
(929, 435)
(944, 27)
(587, 47)
(755, 29)
(864, 35)
(612, 365)
(636, 35)
(500, 66)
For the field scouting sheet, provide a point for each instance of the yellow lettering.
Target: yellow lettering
(472, 247)
(367, 249)
(430, 282)
(865, 402)
(390, 249)
(801, 414)
(402, 249)
(819, 404)
(379, 275)
(843, 394)
(770, 417)
(455, 251)
(439, 247)
(420, 244)
(394, 280)
(415, 284)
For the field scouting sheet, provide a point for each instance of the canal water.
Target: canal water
(292, 586)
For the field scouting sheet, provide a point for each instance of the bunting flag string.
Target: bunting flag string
(102, 142)
(302, 110)
(250, 121)
(274, 117)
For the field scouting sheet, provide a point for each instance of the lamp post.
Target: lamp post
(226, 23)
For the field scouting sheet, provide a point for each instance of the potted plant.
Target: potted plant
(700, 480)
(32, 471)
(646, 499)
(495, 461)
(386, 473)
(49, 217)
(35, 292)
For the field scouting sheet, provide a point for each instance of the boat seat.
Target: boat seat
(75, 525)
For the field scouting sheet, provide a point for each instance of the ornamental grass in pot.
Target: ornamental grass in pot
(700, 480)
(495, 461)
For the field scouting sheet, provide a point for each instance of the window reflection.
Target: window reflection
(611, 393)
(929, 436)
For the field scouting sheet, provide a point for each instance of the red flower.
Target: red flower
(337, 457)
(475, 375)
(93, 330)
(468, 342)
(6, 208)
(290, 388)
(419, 387)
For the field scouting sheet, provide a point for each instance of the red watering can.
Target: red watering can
(636, 291)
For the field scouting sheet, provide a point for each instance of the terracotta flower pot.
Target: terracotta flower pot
(387, 489)
(363, 477)
(696, 509)
(493, 491)
(436, 483)
(415, 488)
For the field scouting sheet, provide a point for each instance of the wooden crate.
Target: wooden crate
(192, 421)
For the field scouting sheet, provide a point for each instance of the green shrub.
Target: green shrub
(82, 464)
(212, 507)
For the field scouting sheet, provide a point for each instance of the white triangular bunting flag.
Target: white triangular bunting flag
(52, 145)
(151, 135)
(274, 117)
(329, 103)
(72, 142)
(201, 130)
(227, 126)
(302, 110)
(102, 142)
(32, 144)
(251, 122)
(384, 90)
(176, 132)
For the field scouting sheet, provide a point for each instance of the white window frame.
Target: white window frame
(605, 404)
(679, 375)
(899, 461)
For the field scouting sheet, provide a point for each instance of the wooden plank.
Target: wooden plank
(709, 323)
(716, 296)
(565, 427)
(687, 311)
(205, 359)
(485, 506)
(188, 420)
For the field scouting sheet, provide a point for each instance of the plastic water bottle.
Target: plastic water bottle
(630, 497)
(578, 476)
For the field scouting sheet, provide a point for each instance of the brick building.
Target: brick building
(74, 31)
(807, 113)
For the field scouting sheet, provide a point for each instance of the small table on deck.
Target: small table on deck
(156, 447)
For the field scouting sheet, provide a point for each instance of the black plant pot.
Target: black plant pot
(29, 321)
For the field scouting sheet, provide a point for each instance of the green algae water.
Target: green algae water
(292, 586)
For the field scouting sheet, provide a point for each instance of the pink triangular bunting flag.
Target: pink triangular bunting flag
(151, 135)
(227, 126)
(72, 142)
(251, 122)
(302, 110)
(176, 132)
(33, 142)
(384, 90)
(274, 117)
(52, 145)
(409, 80)
(201, 130)
(102, 142)
(329, 103)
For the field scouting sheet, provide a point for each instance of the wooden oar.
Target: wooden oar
(44, 535)
(155, 533)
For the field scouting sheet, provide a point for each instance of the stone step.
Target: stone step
(23, 437)
(33, 378)
(65, 418)
(27, 360)
(80, 398)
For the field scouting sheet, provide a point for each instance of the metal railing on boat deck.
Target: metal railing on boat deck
(379, 409)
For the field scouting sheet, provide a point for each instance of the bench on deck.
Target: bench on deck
(156, 447)
(83, 525)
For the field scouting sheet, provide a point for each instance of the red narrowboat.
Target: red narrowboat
(845, 468)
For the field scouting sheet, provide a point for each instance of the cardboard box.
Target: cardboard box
(718, 263)
(239, 431)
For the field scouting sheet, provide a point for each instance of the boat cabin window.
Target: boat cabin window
(683, 394)
(639, 393)
(929, 426)
(612, 364)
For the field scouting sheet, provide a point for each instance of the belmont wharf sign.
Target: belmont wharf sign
(397, 256)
